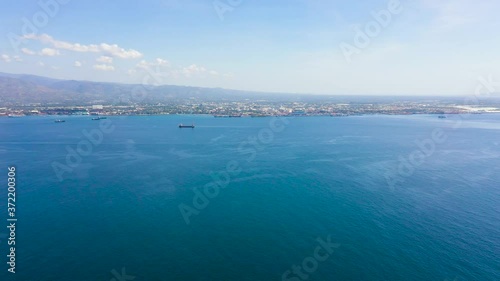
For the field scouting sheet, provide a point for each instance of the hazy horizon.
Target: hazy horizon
(417, 48)
(360, 95)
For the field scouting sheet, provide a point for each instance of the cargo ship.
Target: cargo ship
(186, 126)
(228, 116)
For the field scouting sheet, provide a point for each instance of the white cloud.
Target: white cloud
(157, 62)
(143, 64)
(41, 64)
(104, 67)
(161, 62)
(110, 50)
(161, 69)
(158, 70)
(27, 51)
(77, 64)
(49, 40)
(105, 59)
(49, 52)
(193, 69)
(116, 51)
(6, 58)
(450, 14)
(18, 58)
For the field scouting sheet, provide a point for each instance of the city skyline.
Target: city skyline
(317, 47)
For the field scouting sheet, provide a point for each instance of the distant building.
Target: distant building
(97, 107)
(298, 112)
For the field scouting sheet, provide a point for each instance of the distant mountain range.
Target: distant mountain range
(16, 89)
(25, 89)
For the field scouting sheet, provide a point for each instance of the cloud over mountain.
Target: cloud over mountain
(112, 50)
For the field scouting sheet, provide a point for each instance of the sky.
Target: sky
(365, 47)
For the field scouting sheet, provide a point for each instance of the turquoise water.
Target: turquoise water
(291, 182)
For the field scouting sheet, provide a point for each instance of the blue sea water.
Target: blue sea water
(397, 210)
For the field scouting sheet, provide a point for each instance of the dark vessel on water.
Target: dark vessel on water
(186, 126)
(59, 121)
(227, 116)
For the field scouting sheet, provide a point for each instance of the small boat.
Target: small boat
(441, 116)
(228, 116)
(99, 118)
(186, 126)
(59, 121)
